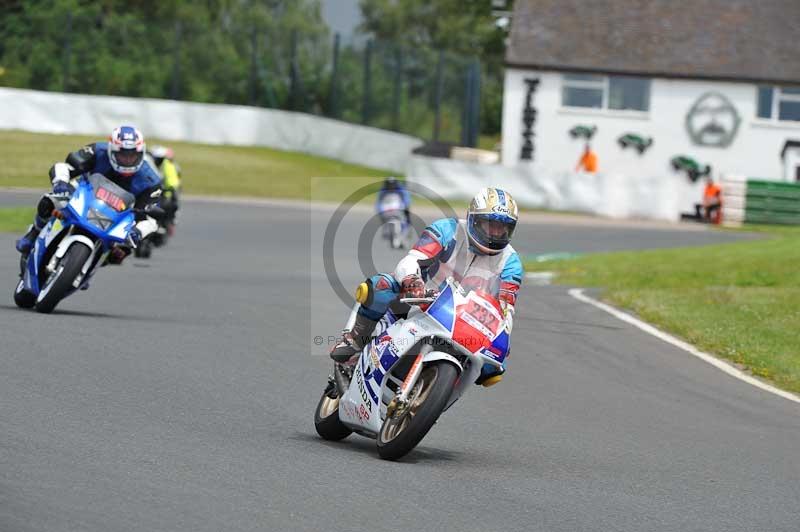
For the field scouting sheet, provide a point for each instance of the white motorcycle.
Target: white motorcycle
(396, 227)
(414, 370)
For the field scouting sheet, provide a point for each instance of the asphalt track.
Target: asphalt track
(177, 394)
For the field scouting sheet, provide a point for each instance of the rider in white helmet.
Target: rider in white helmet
(121, 160)
(476, 247)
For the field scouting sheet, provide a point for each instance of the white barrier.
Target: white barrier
(52, 112)
(612, 195)
(734, 200)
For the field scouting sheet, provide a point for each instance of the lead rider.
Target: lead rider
(476, 247)
(120, 160)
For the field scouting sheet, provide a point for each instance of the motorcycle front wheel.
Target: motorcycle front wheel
(326, 416)
(59, 284)
(22, 297)
(405, 428)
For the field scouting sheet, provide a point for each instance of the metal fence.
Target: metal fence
(426, 93)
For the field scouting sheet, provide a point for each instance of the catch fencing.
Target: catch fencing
(269, 63)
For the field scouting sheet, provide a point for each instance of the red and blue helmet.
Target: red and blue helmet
(126, 150)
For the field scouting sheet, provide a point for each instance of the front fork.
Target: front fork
(400, 400)
(98, 247)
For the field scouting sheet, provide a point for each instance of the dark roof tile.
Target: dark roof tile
(755, 40)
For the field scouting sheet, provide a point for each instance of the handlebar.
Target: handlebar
(430, 296)
(417, 300)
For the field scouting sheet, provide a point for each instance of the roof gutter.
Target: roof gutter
(654, 74)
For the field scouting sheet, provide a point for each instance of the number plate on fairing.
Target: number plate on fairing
(481, 315)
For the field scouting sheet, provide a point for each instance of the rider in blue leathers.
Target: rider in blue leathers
(121, 160)
(392, 186)
(468, 250)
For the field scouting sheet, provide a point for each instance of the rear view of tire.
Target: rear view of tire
(144, 250)
(326, 417)
(402, 431)
(22, 297)
(59, 284)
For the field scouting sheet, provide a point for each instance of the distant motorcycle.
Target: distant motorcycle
(414, 370)
(166, 226)
(396, 227)
(86, 225)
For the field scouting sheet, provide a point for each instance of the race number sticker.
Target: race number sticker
(110, 199)
(482, 316)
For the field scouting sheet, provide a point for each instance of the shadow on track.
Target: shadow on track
(84, 314)
(534, 319)
(366, 447)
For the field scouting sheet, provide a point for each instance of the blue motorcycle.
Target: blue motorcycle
(84, 228)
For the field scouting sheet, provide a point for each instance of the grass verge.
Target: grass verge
(739, 301)
(15, 219)
(207, 170)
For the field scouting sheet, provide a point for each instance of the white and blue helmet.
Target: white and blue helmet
(491, 220)
(126, 150)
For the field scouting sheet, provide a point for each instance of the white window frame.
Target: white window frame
(601, 84)
(777, 97)
(605, 85)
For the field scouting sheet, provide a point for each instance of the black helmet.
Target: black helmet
(391, 183)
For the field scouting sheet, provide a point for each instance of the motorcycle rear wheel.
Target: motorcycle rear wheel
(144, 250)
(402, 431)
(326, 417)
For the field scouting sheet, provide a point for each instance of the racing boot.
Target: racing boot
(354, 340)
(26, 242)
(490, 376)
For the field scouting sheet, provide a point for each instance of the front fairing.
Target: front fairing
(38, 256)
(87, 210)
(363, 405)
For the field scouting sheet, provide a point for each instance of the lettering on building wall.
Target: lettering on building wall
(528, 120)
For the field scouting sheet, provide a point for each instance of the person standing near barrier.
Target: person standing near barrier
(588, 161)
(712, 202)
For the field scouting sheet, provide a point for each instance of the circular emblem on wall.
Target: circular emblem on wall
(712, 121)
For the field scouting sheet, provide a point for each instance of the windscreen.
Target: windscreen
(111, 194)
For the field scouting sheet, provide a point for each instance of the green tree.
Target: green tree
(464, 27)
(227, 51)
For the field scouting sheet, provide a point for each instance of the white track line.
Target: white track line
(578, 294)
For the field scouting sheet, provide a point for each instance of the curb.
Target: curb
(726, 367)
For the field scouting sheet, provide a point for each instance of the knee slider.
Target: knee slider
(364, 293)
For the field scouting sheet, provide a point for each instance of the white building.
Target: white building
(714, 81)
